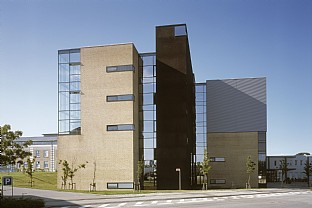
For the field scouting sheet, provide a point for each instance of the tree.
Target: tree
(30, 170)
(284, 169)
(308, 170)
(205, 167)
(250, 168)
(10, 150)
(139, 173)
(69, 172)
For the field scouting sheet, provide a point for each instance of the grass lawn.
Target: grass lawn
(42, 180)
(47, 181)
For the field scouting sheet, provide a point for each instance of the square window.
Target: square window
(180, 30)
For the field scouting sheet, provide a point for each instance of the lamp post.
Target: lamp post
(179, 170)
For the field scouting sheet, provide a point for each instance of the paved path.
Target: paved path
(70, 199)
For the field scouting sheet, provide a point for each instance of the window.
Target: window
(180, 30)
(37, 164)
(217, 181)
(296, 162)
(46, 164)
(120, 127)
(37, 153)
(113, 98)
(217, 159)
(275, 163)
(300, 162)
(120, 68)
(46, 153)
(125, 185)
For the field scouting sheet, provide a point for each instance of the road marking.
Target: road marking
(165, 203)
(104, 205)
(198, 200)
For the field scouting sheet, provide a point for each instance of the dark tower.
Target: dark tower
(175, 101)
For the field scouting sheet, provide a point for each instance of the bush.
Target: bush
(21, 203)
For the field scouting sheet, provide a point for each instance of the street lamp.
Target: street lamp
(179, 170)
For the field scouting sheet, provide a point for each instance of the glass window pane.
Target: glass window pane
(64, 86)
(199, 158)
(148, 107)
(75, 86)
(148, 154)
(64, 101)
(63, 57)
(74, 98)
(148, 98)
(63, 115)
(74, 57)
(148, 60)
(75, 114)
(125, 127)
(75, 106)
(63, 72)
(148, 80)
(180, 30)
(148, 115)
(74, 69)
(147, 135)
(112, 186)
(148, 71)
(63, 125)
(125, 185)
(148, 126)
(148, 143)
(149, 88)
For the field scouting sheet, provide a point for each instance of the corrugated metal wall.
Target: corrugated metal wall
(236, 105)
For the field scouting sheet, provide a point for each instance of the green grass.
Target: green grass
(47, 181)
(42, 180)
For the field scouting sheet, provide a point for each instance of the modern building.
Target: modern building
(43, 150)
(295, 165)
(231, 121)
(118, 106)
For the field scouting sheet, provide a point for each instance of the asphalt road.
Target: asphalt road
(286, 198)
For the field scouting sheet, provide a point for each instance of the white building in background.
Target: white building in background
(295, 166)
(43, 149)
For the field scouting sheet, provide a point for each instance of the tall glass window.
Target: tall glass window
(148, 118)
(69, 91)
(201, 127)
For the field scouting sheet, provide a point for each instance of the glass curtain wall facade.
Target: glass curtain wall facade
(201, 127)
(262, 170)
(69, 91)
(148, 118)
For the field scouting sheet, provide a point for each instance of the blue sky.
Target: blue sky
(228, 39)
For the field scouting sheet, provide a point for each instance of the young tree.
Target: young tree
(307, 170)
(250, 168)
(139, 173)
(30, 170)
(65, 170)
(10, 151)
(69, 172)
(205, 167)
(284, 169)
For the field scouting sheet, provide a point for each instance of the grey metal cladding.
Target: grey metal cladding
(236, 105)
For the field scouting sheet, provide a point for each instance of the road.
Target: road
(286, 198)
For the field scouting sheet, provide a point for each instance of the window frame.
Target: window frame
(119, 98)
(118, 127)
(120, 68)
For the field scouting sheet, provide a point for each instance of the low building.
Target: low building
(43, 150)
(295, 165)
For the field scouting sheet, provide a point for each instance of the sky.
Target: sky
(228, 39)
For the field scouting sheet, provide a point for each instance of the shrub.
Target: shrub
(21, 203)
